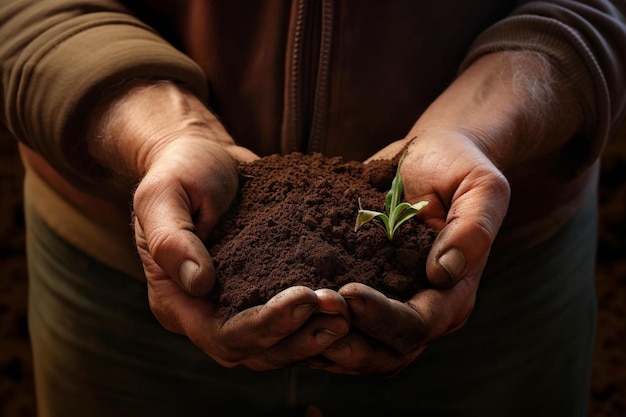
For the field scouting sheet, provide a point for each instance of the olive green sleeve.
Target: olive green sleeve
(58, 58)
(586, 41)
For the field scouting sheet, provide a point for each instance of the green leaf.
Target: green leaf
(404, 212)
(365, 216)
(392, 199)
(419, 205)
(385, 224)
(396, 212)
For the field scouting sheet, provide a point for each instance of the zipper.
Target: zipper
(320, 100)
(306, 76)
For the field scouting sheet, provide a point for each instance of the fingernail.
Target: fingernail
(188, 276)
(325, 337)
(330, 313)
(453, 262)
(302, 311)
(342, 351)
(356, 305)
(187, 271)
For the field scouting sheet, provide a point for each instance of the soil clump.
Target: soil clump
(292, 223)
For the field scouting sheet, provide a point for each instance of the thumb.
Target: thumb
(176, 204)
(477, 210)
(178, 255)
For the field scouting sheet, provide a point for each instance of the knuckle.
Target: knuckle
(483, 231)
(160, 241)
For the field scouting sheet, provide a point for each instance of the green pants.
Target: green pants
(526, 350)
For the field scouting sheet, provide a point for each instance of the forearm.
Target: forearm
(585, 40)
(515, 106)
(56, 60)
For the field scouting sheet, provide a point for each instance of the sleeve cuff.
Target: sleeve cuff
(67, 75)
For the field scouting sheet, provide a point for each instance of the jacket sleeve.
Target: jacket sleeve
(56, 59)
(586, 40)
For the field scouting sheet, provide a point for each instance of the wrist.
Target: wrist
(515, 106)
(137, 121)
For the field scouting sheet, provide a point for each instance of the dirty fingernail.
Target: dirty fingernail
(302, 311)
(326, 337)
(453, 261)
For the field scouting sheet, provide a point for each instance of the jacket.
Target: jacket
(338, 77)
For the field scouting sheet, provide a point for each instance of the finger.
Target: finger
(468, 199)
(331, 302)
(177, 203)
(319, 332)
(258, 328)
(358, 355)
(478, 208)
(443, 311)
(328, 324)
(170, 304)
(193, 317)
(162, 214)
(180, 313)
(372, 312)
(163, 210)
(428, 315)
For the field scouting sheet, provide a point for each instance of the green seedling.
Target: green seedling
(396, 212)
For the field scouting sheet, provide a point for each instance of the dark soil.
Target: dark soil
(293, 224)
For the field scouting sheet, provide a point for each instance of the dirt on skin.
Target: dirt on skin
(293, 224)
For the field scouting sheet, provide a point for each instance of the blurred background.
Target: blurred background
(608, 396)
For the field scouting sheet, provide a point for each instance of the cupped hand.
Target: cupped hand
(468, 199)
(185, 165)
(499, 116)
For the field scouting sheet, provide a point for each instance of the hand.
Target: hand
(185, 163)
(175, 212)
(468, 198)
(498, 117)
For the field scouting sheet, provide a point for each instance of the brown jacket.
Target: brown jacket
(340, 77)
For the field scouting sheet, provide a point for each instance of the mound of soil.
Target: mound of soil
(293, 224)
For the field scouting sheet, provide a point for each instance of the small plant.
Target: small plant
(396, 212)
